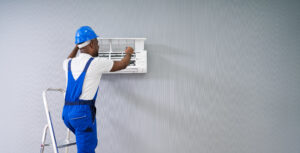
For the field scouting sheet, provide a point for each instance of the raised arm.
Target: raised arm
(74, 52)
(119, 65)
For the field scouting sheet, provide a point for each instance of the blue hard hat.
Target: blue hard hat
(84, 34)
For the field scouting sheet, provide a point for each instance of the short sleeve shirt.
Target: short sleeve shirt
(93, 74)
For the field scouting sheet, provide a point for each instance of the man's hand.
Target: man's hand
(119, 65)
(129, 50)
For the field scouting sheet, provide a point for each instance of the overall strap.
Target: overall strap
(69, 65)
(96, 94)
(83, 73)
(87, 64)
(74, 87)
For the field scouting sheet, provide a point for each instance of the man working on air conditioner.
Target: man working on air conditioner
(83, 75)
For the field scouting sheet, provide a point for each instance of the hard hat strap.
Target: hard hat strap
(84, 44)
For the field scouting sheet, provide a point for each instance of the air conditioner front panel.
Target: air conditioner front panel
(114, 49)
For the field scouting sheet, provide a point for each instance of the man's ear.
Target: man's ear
(92, 44)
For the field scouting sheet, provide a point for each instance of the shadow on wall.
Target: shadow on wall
(173, 75)
(164, 63)
(180, 91)
(178, 67)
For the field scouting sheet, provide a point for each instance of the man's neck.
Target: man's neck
(84, 51)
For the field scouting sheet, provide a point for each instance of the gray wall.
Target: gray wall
(223, 76)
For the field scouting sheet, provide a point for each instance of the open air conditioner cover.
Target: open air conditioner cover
(114, 49)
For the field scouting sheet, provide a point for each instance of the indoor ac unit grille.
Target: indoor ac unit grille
(114, 49)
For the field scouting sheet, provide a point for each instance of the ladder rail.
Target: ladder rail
(50, 125)
(44, 139)
(68, 141)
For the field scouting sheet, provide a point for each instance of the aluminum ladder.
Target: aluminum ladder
(49, 126)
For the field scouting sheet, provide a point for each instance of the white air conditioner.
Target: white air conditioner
(114, 49)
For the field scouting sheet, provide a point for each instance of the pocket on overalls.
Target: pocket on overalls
(80, 120)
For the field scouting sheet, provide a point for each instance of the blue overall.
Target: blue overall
(78, 114)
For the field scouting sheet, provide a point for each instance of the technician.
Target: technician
(83, 75)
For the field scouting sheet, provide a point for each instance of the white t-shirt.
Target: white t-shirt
(93, 74)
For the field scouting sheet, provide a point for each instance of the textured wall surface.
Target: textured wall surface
(223, 76)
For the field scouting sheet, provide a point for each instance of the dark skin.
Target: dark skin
(93, 49)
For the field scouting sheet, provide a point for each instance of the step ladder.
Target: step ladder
(49, 126)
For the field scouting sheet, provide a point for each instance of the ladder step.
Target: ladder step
(66, 145)
(62, 146)
(48, 144)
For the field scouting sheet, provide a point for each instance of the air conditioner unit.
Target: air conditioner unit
(114, 49)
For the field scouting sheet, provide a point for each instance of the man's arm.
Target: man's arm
(74, 52)
(119, 65)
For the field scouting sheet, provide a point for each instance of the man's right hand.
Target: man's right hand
(119, 65)
(129, 50)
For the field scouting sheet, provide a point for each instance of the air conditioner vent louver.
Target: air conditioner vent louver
(114, 49)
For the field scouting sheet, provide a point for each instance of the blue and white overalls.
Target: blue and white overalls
(78, 114)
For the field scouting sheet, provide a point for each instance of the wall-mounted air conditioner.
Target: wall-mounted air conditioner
(114, 49)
